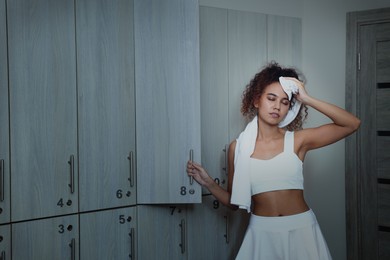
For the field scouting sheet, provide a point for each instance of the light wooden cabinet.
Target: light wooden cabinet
(284, 40)
(106, 103)
(5, 242)
(214, 91)
(4, 121)
(247, 44)
(52, 238)
(227, 64)
(164, 232)
(168, 99)
(109, 234)
(43, 109)
(208, 230)
(216, 229)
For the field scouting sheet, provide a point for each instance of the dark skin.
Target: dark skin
(272, 107)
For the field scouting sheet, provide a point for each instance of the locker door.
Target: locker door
(164, 232)
(168, 102)
(51, 238)
(5, 242)
(109, 234)
(214, 91)
(105, 50)
(245, 58)
(4, 121)
(43, 108)
(284, 38)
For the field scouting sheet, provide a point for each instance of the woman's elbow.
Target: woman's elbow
(355, 125)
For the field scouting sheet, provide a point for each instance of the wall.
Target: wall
(324, 44)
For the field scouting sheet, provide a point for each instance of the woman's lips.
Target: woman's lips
(274, 115)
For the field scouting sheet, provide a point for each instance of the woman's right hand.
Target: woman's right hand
(199, 173)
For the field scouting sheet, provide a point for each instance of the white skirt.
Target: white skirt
(295, 237)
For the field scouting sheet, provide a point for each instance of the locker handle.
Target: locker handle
(183, 236)
(2, 180)
(131, 161)
(2, 255)
(72, 246)
(71, 164)
(132, 244)
(191, 159)
(226, 229)
(226, 151)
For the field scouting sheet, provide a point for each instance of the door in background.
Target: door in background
(368, 168)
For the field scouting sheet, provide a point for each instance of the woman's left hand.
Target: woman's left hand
(302, 93)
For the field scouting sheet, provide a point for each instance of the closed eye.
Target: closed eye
(273, 97)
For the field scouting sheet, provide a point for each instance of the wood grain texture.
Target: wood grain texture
(247, 37)
(212, 217)
(384, 246)
(368, 152)
(352, 180)
(363, 167)
(4, 119)
(214, 91)
(161, 232)
(168, 99)
(284, 40)
(383, 157)
(5, 245)
(45, 239)
(106, 234)
(384, 205)
(42, 78)
(106, 102)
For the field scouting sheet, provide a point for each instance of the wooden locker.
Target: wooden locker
(168, 99)
(109, 234)
(43, 109)
(4, 122)
(106, 102)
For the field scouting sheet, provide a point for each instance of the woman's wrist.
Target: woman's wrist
(209, 183)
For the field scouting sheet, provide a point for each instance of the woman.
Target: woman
(265, 166)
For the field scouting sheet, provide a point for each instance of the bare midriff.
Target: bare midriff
(279, 203)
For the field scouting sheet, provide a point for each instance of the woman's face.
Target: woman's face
(273, 104)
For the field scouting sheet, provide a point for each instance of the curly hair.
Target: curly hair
(268, 75)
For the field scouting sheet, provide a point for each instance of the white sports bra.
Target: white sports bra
(282, 172)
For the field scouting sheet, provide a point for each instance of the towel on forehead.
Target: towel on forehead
(290, 87)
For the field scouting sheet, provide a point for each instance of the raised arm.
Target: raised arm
(344, 124)
(203, 178)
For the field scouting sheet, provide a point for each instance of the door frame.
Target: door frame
(352, 145)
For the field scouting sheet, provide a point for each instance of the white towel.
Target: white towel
(290, 88)
(241, 190)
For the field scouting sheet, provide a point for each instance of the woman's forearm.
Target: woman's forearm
(338, 115)
(219, 193)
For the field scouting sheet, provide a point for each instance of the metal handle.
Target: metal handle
(183, 236)
(2, 255)
(132, 244)
(191, 159)
(2, 180)
(71, 184)
(225, 150)
(72, 249)
(226, 229)
(131, 161)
